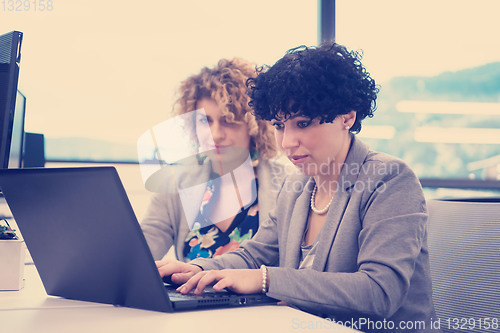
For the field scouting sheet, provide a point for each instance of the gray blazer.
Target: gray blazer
(372, 258)
(165, 224)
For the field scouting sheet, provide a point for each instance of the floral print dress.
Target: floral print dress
(210, 241)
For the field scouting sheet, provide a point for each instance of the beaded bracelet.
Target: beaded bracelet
(263, 268)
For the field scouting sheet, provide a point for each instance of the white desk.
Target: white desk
(34, 297)
(31, 310)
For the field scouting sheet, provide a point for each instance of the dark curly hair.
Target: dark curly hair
(316, 82)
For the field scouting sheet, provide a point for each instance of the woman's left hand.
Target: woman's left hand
(242, 281)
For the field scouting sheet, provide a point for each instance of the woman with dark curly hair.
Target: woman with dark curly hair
(235, 150)
(348, 237)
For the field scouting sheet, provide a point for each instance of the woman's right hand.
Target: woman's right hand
(178, 272)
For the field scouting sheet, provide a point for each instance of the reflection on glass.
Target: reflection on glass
(179, 156)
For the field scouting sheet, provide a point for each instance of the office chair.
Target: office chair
(464, 252)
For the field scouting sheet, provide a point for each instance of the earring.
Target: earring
(346, 127)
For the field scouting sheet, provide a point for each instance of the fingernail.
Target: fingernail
(182, 289)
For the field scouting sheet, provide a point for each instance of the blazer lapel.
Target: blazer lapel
(298, 221)
(354, 160)
(329, 230)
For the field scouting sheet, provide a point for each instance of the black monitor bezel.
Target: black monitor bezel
(7, 108)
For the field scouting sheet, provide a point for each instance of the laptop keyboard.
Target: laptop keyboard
(213, 298)
(207, 293)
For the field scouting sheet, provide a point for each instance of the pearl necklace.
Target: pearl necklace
(313, 199)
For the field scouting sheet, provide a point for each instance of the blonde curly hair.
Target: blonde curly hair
(225, 83)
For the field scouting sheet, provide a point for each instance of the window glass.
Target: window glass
(98, 74)
(438, 66)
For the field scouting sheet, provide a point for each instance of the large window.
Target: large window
(438, 65)
(98, 74)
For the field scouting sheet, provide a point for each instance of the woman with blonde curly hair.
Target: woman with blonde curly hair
(233, 198)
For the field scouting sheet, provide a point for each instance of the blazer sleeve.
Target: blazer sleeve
(393, 219)
(159, 224)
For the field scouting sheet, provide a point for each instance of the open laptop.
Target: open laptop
(87, 245)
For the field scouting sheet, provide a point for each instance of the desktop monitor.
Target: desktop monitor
(18, 137)
(10, 56)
